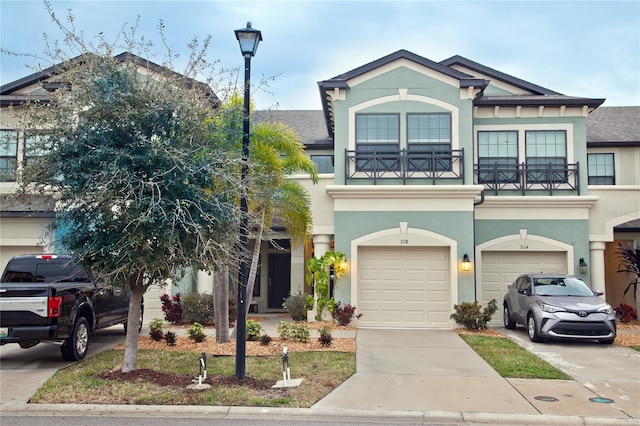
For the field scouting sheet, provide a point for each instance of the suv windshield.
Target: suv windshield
(561, 286)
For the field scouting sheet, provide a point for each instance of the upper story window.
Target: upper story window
(497, 156)
(33, 144)
(546, 155)
(324, 163)
(379, 134)
(601, 169)
(8, 155)
(429, 141)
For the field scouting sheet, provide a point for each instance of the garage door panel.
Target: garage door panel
(499, 269)
(409, 284)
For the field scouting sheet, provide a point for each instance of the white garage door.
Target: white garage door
(501, 268)
(405, 287)
(7, 252)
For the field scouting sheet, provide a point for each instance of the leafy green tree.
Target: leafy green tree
(144, 184)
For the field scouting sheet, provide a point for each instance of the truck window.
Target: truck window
(35, 270)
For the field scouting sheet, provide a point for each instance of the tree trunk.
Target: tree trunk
(221, 304)
(130, 362)
(254, 264)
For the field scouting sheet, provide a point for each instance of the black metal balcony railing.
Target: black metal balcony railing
(420, 166)
(404, 165)
(526, 177)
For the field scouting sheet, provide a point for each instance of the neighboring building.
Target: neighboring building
(424, 164)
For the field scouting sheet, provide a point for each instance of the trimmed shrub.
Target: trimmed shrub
(170, 338)
(172, 308)
(254, 330)
(471, 317)
(196, 332)
(284, 330)
(325, 338)
(265, 339)
(344, 314)
(198, 307)
(297, 306)
(626, 313)
(299, 332)
(155, 329)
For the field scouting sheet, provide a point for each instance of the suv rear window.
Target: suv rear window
(39, 270)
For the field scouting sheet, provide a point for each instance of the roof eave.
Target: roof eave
(594, 103)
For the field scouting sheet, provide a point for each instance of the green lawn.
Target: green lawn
(511, 360)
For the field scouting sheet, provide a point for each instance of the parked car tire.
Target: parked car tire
(507, 322)
(75, 347)
(532, 329)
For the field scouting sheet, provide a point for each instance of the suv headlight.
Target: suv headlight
(550, 308)
(606, 310)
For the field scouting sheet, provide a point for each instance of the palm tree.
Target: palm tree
(275, 154)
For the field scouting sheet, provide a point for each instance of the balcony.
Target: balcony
(418, 166)
(526, 178)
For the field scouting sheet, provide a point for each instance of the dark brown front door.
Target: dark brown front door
(279, 279)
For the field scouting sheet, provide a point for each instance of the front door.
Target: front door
(279, 283)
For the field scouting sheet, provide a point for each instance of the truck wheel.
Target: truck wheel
(75, 347)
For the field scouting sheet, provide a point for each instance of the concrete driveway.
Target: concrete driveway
(23, 371)
(608, 371)
(424, 370)
(435, 371)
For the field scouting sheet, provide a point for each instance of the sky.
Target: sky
(588, 49)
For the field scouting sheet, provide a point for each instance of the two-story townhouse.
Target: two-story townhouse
(425, 165)
(439, 163)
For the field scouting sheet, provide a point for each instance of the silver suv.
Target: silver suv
(558, 307)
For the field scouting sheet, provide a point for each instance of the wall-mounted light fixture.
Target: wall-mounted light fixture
(583, 266)
(466, 263)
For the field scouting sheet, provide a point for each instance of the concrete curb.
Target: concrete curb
(221, 412)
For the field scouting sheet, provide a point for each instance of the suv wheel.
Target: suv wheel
(532, 329)
(506, 320)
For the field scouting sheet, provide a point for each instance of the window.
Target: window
(8, 155)
(377, 141)
(601, 169)
(323, 162)
(497, 157)
(429, 141)
(546, 156)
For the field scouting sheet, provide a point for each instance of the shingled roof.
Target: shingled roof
(609, 126)
(308, 124)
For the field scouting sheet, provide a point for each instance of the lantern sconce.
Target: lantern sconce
(466, 263)
(583, 266)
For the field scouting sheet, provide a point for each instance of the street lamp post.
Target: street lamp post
(249, 39)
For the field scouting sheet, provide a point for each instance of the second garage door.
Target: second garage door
(407, 287)
(501, 268)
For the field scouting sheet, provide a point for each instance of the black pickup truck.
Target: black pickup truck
(49, 298)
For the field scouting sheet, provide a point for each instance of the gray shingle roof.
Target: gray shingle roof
(308, 124)
(614, 124)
